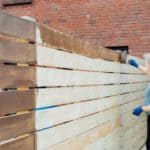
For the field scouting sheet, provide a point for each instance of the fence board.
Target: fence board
(79, 142)
(80, 109)
(68, 130)
(25, 143)
(16, 125)
(56, 58)
(59, 77)
(68, 43)
(15, 52)
(13, 76)
(101, 144)
(65, 95)
(17, 27)
(18, 100)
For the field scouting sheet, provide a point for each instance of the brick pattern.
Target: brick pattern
(103, 22)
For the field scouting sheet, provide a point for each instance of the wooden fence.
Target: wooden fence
(58, 92)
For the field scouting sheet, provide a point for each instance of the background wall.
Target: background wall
(104, 22)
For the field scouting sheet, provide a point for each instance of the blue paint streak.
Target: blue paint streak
(46, 107)
(43, 129)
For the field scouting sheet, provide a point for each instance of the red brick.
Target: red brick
(107, 23)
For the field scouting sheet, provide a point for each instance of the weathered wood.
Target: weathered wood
(102, 143)
(17, 27)
(14, 76)
(68, 43)
(18, 100)
(62, 114)
(59, 77)
(15, 52)
(80, 141)
(16, 125)
(56, 58)
(25, 143)
(74, 128)
(50, 96)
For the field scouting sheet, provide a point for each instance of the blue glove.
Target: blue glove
(133, 63)
(137, 111)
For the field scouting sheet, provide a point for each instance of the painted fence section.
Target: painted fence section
(87, 105)
(59, 93)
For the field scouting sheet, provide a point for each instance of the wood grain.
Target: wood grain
(13, 76)
(60, 77)
(81, 141)
(15, 52)
(17, 27)
(55, 58)
(74, 128)
(50, 117)
(25, 143)
(18, 100)
(50, 96)
(16, 125)
(68, 43)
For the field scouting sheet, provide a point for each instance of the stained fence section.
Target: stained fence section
(17, 100)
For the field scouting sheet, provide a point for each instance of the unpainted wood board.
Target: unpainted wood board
(15, 52)
(16, 27)
(129, 120)
(71, 129)
(25, 143)
(65, 113)
(16, 125)
(56, 58)
(108, 142)
(128, 107)
(14, 76)
(18, 100)
(59, 77)
(68, 43)
(80, 141)
(65, 95)
(139, 130)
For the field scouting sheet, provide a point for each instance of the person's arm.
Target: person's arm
(135, 64)
(142, 68)
(146, 108)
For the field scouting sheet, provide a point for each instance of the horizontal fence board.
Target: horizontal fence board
(103, 144)
(130, 134)
(24, 143)
(65, 95)
(80, 109)
(58, 77)
(13, 76)
(17, 27)
(18, 100)
(15, 52)
(56, 58)
(68, 43)
(131, 105)
(71, 129)
(16, 125)
(80, 141)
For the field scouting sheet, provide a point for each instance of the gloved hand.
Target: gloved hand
(137, 111)
(133, 63)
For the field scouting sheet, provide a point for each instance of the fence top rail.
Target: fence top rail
(27, 30)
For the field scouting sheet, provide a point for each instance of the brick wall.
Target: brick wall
(104, 22)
